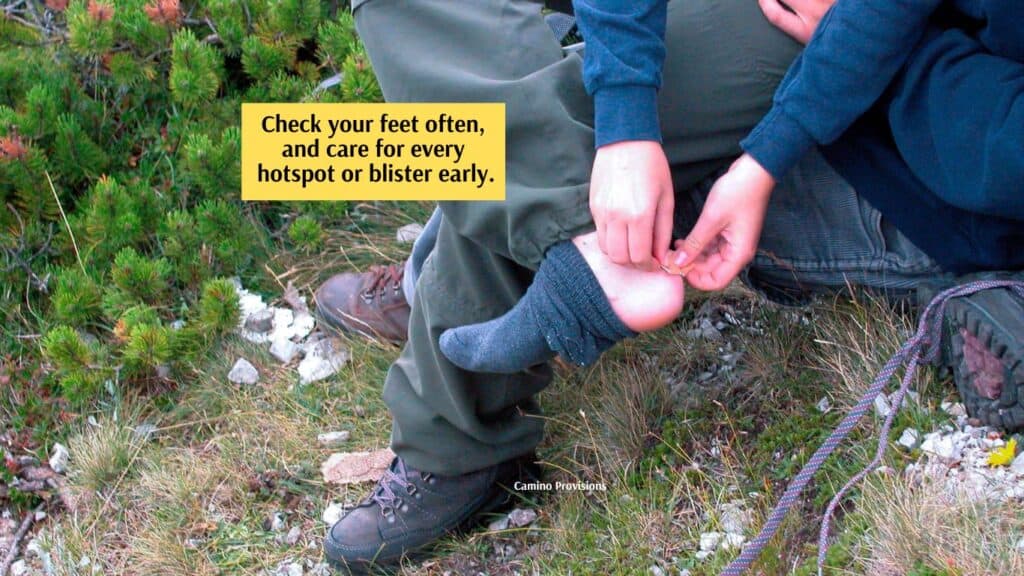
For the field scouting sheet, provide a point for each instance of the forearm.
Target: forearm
(622, 65)
(853, 56)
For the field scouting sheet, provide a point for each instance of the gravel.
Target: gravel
(956, 459)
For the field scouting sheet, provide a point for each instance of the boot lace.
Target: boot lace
(382, 278)
(393, 486)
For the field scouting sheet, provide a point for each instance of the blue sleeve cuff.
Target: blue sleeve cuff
(778, 142)
(626, 113)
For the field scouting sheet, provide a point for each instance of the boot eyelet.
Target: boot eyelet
(387, 511)
(366, 296)
(411, 489)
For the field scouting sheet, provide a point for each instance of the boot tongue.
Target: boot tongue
(392, 484)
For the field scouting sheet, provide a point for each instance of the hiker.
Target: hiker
(461, 435)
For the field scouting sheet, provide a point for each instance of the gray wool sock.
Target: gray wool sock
(564, 312)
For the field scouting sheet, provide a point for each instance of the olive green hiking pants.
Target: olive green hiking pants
(723, 63)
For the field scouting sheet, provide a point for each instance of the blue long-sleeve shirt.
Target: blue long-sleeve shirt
(622, 65)
(952, 128)
(959, 126)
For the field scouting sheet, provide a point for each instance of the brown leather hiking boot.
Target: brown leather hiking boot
(409, 511)
(371, 303)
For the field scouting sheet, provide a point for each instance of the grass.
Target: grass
(670, 445)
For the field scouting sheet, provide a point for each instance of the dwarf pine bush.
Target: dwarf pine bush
(131, 110)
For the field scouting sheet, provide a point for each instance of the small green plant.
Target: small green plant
(218, 307)
(306, 234)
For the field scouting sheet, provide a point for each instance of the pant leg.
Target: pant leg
(421, 248)
(820, 236)
(450, 421)
(447, 420)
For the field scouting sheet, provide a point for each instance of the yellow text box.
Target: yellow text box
(451, 151)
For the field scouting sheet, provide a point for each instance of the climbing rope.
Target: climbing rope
(922, 347)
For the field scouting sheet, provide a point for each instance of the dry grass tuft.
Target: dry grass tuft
(100, 457)
(855, 338)
(924, 530)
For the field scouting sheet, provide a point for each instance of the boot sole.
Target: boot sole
(499, 500)
(996, 318)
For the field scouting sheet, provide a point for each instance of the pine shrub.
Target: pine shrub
(131, 110)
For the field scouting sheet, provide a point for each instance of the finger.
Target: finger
(781, 18)
(602, 233)
(663, 226)
(617, 242)
(641, 238)
(697, 241)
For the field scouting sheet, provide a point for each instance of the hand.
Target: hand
(631, 199)
(800, 20)
(725, 237)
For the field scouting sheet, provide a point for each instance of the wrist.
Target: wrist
(754, 173)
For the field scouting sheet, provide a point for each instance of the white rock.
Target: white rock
(177, 325)
(733, 541)
(34, 548)
(709, 541)
(409, 233)
(1018, 464)
(944, 447)
(144, 431)
(243, 372)
(277, 523)
(59, 457)
(882, 405)
(333, 513)
(704, 554)
(333, 439)
(953, 408)
(656, 570)
(302, 324)
(19, 568)
(824, 405)
(320, 569)
(909, 439)
(284, 350)
(1020, 546)
(84, 562)
(261, 321)
(499, 524)
(914, 397)
(287, 568)
(522, 517)
(293, 536)
(40, 516)
(733, 517)
(323, 360)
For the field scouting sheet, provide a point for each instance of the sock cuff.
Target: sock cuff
(571, 278)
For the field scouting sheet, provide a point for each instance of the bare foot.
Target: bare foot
(643, 300)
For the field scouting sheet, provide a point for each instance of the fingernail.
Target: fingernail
(680, 258)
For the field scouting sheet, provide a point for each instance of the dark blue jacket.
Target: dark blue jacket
(944, 80)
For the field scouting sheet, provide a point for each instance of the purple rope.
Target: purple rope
(923, 346)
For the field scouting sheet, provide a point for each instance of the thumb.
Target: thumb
(703, 233)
